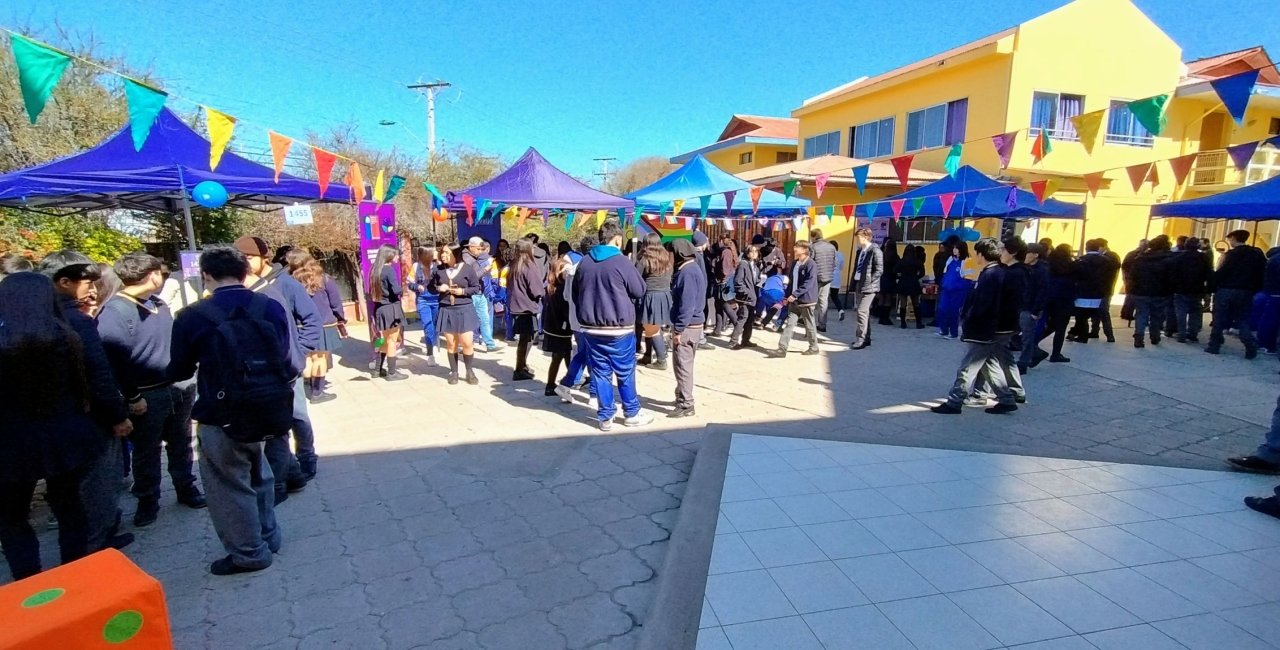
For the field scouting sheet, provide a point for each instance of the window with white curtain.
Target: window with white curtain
(1052, 112)
(873, 139)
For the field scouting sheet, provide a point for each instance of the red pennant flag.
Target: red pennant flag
(1038, 188)
(470, 204)
(279, 149)
(324, 167)
(1154, 176)
(947, 200)
(1040, 148)
(1093, 182)
(1182, 166)
(848, 212)
(755, 197)
(897, 204)
(1138, 175)
(902, 165)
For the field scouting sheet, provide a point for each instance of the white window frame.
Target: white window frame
(906, 144)
(745, 157)
(1124, 140)
(853, 137)
(1056, 132)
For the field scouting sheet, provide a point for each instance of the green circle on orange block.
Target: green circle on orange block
(122, 626)
(43, 597)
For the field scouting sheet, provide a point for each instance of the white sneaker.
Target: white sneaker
(566, 395)
(638, 420)
(606, 425)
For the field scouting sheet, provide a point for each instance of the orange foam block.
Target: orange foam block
(101, 601)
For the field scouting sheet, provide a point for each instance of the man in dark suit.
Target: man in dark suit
(865, 284)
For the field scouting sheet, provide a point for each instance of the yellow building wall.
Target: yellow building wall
(761, 156)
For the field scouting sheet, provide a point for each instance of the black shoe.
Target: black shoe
(1251, 353)
(453, 378)
(119, 541)
(226, 567)
(321, 397)
(1181, 339)
(903, 325)
(946, 408)
(1020, 400)
(281, 496)
(1155, 340)
(644, 361)
(292, 485)
(1111, 339)
(822, 329)
(1058, 358)
(472, 379)
(1139, 344)
(394, 376)
(308, 468)
(1253, 465)
(148, 512)
(776, 354)
(1093, 335)
(1001, 409)
(748, 344)
(1022, 370)
(1265, 505)
(683, 413)
(522, 375)
(811, 352)
(842, 316)
(550, 391)
(192, 498)
(860, 347)
(1193, 339)
(1212, 350)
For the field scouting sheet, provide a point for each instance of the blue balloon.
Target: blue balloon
(971, 234)
(946, 234)
(210, 194)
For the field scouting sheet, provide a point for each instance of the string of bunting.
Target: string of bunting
(41, 66)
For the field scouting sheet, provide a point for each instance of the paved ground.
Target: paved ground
(493, 517)
(853, 546)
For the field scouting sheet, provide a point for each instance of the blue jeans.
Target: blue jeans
(1270, 450)
(428, 310)
(485, 314)
(608, 356)
(1269, 327)
(578, 365)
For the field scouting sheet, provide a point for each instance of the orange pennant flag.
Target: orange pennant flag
(1138, 175)
(1182, 166)
(1093, 182)
(279, 150)
(756, 192)
(1154, 176)
(902, 165)
(356, 180)
(1041, 147)
(521, 217)
(324, 167)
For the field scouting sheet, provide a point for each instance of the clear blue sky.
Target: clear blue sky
(577, 79)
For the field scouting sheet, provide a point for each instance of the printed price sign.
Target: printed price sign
(297, 215)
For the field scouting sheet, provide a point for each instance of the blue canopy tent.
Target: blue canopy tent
(159, 178)
(977, 196)
(698, 178)
(1257, 202)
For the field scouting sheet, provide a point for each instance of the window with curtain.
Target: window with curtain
(744, 158)
(873, 139)
(1052, 112)
(823, 144)
(957, 118)
(937, 126)
(784, 157)
(1124, 128)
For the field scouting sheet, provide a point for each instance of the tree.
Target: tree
(637, 174)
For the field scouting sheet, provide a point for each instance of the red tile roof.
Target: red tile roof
(761, 127)
(1230, 63)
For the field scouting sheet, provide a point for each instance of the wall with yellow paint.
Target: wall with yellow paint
(762, 155)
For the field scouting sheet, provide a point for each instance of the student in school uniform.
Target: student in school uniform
(688, 288)
(428, 303)
(745, 279)
(557, 337)
(525, 288)
(456, 283)
(324, 291)
(388, 317)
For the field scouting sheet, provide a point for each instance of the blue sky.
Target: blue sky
(577, 79)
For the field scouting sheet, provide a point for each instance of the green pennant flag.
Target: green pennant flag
(789, 188)
(662, 209)
(622, 216)
(831, 212)
(704, 203)
(568, 221)
(393, 188)
(1150, 113)
(39, 69)
(952, 163)
(916, 204)
(144, 105)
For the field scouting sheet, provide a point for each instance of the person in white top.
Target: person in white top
(175, 292)
(837, 282)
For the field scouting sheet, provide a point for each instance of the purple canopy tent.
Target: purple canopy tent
(531, 182)
(113, 175)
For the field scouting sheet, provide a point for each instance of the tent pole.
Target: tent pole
(186, 211)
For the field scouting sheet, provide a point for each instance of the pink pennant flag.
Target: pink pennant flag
(688, 223)
(728, 224)
(1004, 146)
(897, 204)
(820, 181)
(947, 200)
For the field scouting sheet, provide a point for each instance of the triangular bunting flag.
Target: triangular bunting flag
(1150, 113)
(952, 163)
(902, 165)
(704, 202)
(789, 188)
(279, 151)
(521, 217)
(482, 208)
(728, 202)
(1042, 146)
(600, 215)
(677, 206)
(728, 224)
(1242, 153)
(871, 210)
(324, 168)
(1154, 176)
(797, 223)
(622, 216)
(379, 187)
(1088, 126)
(820, 183)
(1234, 91)
(812, 212)
(1182, 166)
(1138, 175)
(221, 126)
(688, 223)
(435, 192)
(662, 212)
(497, 213)
(144, 105)
(947, 200)
(356, 181)
(848, 212)
(636, 215)
(916, 204)
(469, 203)
(1004, 147)
(896, 205)
(39, 69)
(831, 212)
(756, 192)
(1094, 182)
(860, 177)
(568, 221)
(1011, 199)
(393, 187)
(1038, 188)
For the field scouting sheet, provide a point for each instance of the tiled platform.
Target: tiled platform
(848, 546)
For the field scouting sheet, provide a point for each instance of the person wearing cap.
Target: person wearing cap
(292, 472)
(475, 257)
(73, 276)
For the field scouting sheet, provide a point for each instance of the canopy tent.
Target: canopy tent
(698, 178)
(977, 196)
(1257, 202)
(532, 182)
(158, 178)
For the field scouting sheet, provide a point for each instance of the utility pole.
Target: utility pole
(429, 89)
(605, 162)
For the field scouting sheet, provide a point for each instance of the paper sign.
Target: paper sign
(190, 265)
(297, 215)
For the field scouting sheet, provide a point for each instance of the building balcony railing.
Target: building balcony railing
(1216, 169)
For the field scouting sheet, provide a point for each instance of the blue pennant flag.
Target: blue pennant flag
(481, 208)
(860, 175)
(871, 210)
(1234, 91)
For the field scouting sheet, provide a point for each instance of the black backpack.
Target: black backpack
(255, 396)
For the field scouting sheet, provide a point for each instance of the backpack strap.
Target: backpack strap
(217, 315)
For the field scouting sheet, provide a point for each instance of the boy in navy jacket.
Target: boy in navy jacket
(688, 291)
(802, 298)
(980, 324)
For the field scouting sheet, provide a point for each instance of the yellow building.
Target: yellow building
(749, 142)
(1086, 56)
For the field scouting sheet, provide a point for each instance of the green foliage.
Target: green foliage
(35, 235)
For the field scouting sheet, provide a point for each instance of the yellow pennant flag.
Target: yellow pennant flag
(379, 188)
(511, 212)
(600, 214)
(221, 126)
(676, 207)
(1087, 127)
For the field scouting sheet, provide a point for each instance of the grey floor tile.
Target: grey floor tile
(1009, 616)
(786, 443)
(763, 463)
(1065, 643)
(1220, 529)
(1057, 484)
(785, 484)
(959, 526)
(723, 526)
(916, 498)
(1137, 637)
(1177, 540)
(1143, 475)
(740, 488)
(894, 453)
(730, 553)
(712, 638)
(855, 455)
(1160, 505)
(1009, 561)
(817, 587)
(747, 444)
(1185, 475)
(1079, 607)
(1199, 496)
(927, 471)
(882, 475)
(708, 617)
(746, 596)
(1011, 520)
(755, 515)
(1065, 463)
(1061, 515)
(789, 633)
(732, 468)
(782, 546)
(1256, 522)
(948, 569)
(975, 466)
(902, 533)
(935, 623)
(1011, 488)
(808, 509)
(832, 479)
(1262, 621)
(1013, 464)
(1139, 595)
(842, 539)
(1067, 553)
(883, 578)
(1209, 632)
(1239, 569)
(966, 494)
(1122, 546)
(1099, 479)
(861, 504)
(1109, 508)
(807, 459)
(1199, 585)
(857, 628)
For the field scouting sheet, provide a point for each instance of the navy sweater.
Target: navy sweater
(804, 282)
(193, 346)
(980, 315)
(1013, 285)
(466, 278)
(297, 354)
(606, 287)
(301, 307)
(136, 338)
(688, 296)
(329, 303)
(1035, 293)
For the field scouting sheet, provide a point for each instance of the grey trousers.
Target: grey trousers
(1190, 316)
(863, 305)
(799, 313)
(240, 489)
(824, 303)
(977, 357)
(1006, 364)
(682, 355)
(100, 492)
